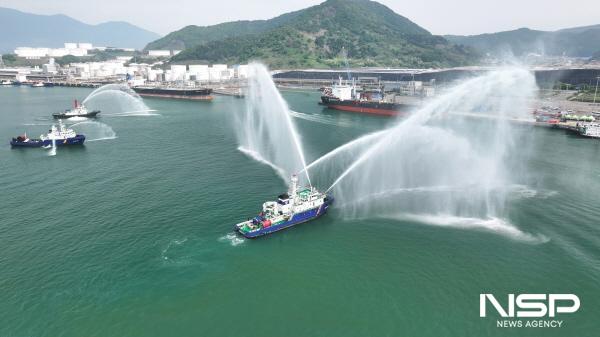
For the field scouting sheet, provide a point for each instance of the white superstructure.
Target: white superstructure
(342, 91)
(59, 133)
(590, 130)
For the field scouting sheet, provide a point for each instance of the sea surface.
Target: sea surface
(132, 235)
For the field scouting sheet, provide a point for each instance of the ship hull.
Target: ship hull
(375, 108)
(65, 116)
(296, 219)
(77, 140)
(187, 94)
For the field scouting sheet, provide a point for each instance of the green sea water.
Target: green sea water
(132, 236)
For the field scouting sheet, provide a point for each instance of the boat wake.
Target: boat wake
(102, 138)
(37, 124)
(494, 225)
(171, 243)
(135, 113)
(321, 119)
(232, 238)
(526, 192)
(77, 119)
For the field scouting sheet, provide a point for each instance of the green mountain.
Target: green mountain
(578, 41)
(371, 33)
(192, 36)
(21, 29)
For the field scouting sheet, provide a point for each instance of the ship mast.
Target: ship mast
(294, 186)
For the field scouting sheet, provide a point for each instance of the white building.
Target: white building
(178, 72)
(159, 53)
(50, 67)
(195, 73)
(199, 72)
(156, 75)
(240, 71)
(219, 72)
(84, 45)
(99, 69)
(70, 48)
(31, 53)
(124, 58)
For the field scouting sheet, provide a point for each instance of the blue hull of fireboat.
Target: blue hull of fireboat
(77, 140)
(296, 219)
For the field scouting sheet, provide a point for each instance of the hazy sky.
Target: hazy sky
(438, 16)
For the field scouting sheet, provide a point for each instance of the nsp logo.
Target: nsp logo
(531, 305)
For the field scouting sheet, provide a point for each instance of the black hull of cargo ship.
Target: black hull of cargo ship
(369, 107)
(203, 94)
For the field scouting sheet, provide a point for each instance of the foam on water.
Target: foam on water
(232, 238)
(322, 119)
(525, 192)
(52, 151)
(171, 243)
(77, 119)
(494, 225)
(149, 112)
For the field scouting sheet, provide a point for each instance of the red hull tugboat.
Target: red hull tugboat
(79, 110)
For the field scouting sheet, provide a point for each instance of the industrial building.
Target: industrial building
(70, 48)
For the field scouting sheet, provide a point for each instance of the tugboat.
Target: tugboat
(292, 208)
(57, 136)
(79, 110)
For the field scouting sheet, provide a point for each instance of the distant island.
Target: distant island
(21, 29)
(571, 42)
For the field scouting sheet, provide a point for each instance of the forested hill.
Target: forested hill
(371, 33)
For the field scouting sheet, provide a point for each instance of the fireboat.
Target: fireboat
(56, 136)
(296, 206)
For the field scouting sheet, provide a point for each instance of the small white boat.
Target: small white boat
(591, 130)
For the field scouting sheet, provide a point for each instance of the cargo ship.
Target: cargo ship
(200, 94)
(291, 208)
(347, 97)
(57, 136)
